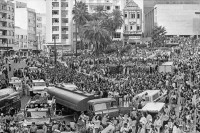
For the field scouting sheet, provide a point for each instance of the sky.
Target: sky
(38, 5)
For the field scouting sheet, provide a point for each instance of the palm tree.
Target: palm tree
(114, 22)
(100, 13)
(95, 33)
(80, 12)
(81, 17)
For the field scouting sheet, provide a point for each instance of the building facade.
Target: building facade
(21, 40)
(149, 11)
(26, 19)
(7, 18)
(132, 29)
(39, 37)
(178, 19)
(59, 23)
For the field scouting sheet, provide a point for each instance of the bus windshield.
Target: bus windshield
(101, 106)
(37, 114)
(39, 84)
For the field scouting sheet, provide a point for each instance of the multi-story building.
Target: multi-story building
(21, 40)
(7, 18)
(132, 23)
(39, 37)
(60, 19)
(109, 6)
(150, 10)
(26, 19)
(59, 24)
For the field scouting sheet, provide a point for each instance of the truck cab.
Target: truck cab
(103, 106)
(38, 87)
(39, 110)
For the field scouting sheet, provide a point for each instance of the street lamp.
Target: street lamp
(7, 49)
(76, 28)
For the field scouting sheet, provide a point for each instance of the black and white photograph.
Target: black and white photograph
(99, 66)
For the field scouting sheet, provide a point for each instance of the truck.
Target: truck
(10, 102)
(71, 101)
(39, 109)
(37, 87)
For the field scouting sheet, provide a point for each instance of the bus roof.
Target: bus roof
(101, 100)
(153, 107)
(38, 81)
(148, 92)
(167, 64)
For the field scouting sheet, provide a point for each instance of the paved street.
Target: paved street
(22, 64)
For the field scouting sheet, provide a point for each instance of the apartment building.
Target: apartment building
(21, 40)
(7, 18)
(26, 19)
(150, 11)
(132, 23)
(59, 24)
(109, 6)
(39, 37)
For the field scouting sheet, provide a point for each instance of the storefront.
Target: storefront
(132, 38)
(24, 52)
(6, 51)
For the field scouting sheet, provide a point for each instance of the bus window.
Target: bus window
(147, 99)
(98, 107)
(90, 108)
(113, 104)
(155, 96)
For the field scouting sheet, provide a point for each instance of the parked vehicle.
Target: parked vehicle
(9, 101)
(71, 101)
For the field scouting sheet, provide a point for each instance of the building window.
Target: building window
(138, 27)
(132, 15)
(125, 28)
(117, 7)
(117, 35)
(108, 7)
(125, 15)
(138, 15)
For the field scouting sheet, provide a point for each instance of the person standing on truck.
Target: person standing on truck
(33, 128)
(45, 128)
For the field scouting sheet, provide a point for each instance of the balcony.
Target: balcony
(6, 36)
(6, 28)
(64, 15)
(55, 24)
(3, 10)
(64, 32)
(3, 19)
(55, 8)
(65, 24)
(55, 16)
(55, 32)
(64, 40)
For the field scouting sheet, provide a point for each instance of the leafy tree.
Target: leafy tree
(114, 21)
(95, 33)
(100, 13)
(158, 35)
(81, 17)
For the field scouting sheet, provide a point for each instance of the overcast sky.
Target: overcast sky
(38, 5)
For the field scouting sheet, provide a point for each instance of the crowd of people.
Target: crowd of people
(125, 77)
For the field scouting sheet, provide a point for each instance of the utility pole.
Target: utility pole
(55, 52)
(7, 49)
(55, 58)
(76, 28)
